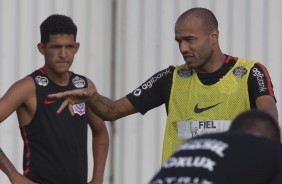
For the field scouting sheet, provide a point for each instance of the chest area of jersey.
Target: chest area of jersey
(44, 87)
(189, 88)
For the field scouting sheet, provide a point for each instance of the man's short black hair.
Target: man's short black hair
(257, 122)
(57, 24)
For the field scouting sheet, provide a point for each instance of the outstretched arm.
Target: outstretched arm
(102, 106)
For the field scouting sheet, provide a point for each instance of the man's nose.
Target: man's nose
(184, 47)
(63, 52)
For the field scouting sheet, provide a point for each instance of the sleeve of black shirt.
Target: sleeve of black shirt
(259, 82)
(153, 92)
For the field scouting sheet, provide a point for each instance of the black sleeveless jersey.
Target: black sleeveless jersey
(55, 145)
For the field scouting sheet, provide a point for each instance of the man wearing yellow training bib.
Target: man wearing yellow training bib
(211, 107)
(201, 96)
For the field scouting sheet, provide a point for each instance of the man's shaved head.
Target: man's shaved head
(208, 18)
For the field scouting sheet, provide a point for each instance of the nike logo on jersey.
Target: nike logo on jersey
(47, 102)
(199, 110)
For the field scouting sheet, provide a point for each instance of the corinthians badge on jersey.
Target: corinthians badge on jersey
(41, 81)
(78, 82)
(79, 109)
(240, 71)
(184, 72)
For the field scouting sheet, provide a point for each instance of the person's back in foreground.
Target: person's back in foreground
(249, 153)
(55, 145)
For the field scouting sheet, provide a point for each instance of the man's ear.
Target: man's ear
(77, 45)
(214, 35)
(41, 48)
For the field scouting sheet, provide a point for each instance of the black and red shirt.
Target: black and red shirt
(55, 145)
(156, 90)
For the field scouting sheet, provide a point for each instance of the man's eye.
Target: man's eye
(71, 46)
(189, 38)
(178, 41)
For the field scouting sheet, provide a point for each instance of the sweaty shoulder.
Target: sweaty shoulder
(26, 83)
(153, 92)
(27, 86)
(19, 97)
(21, 89)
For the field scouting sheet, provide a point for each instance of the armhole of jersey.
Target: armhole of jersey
(172, 85)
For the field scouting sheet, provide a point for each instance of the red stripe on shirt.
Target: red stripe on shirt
(28, 153)
(229, 58)
(41, 70)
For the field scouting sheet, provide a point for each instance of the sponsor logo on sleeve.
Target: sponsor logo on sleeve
(149, 83)
(260, 79)
(137, 92)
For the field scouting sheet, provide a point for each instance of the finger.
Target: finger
(71, 109)
(56, 95)
(63, 105)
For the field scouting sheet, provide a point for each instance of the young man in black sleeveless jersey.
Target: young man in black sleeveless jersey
(55, 145)
(203, 95)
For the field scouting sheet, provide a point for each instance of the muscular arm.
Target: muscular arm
(261, 90)
(108, 109)
(100, 144)
(152, 93)
(15, 99)
(11, 100)
(267, 104)
(20, 97)
(6, 166)
(14, 176)
(102, 106)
